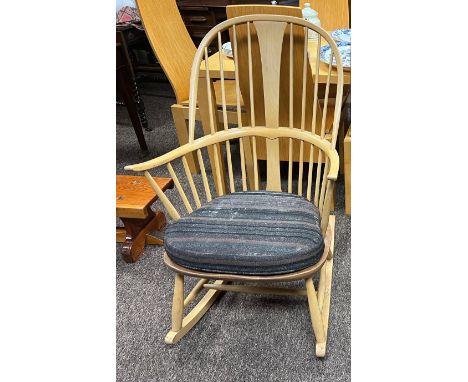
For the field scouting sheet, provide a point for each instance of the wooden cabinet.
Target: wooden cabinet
(201, 15)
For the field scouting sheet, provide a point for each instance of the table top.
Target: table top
(229, 68)
(134, 194)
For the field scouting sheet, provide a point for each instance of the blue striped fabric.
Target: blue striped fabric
(248, 233)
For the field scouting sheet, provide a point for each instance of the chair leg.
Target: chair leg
(182, 325)
(181, 125)
(324, 293)
(316, 318)
(178, 303)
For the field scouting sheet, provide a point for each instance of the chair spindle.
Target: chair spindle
(179, 188)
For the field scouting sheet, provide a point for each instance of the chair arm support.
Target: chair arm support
(334, 165)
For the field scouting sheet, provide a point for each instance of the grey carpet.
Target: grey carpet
(242, 337)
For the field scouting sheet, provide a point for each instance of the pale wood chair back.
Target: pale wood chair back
(242, 61)
(298, 50)
(333, 14)
(170, 41)
(319, 184)
(270, 32)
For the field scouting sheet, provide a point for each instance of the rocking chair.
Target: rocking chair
(262, 234)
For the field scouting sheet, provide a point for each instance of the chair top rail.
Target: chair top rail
(235, 133)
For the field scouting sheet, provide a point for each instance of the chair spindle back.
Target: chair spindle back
(229, 142)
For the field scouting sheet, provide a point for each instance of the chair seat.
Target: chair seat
(248, 233)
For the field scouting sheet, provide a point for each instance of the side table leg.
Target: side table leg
(136, 231)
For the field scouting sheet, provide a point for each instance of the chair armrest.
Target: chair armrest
(334, 165)
(236, 133)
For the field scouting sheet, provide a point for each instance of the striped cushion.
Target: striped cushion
(249, 233)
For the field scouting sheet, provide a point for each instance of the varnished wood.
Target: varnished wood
(134, 195)
(150, 239)
(136, 232)
(333, 14)
(133, 206)
(170, 41)
(347, 171)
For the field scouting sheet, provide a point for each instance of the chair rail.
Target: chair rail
(235, 133)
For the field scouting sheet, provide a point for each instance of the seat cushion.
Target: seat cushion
(248, 233)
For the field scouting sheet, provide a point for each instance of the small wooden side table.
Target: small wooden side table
(134, 197)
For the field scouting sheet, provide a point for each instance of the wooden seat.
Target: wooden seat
(312, 188)
(134, 197)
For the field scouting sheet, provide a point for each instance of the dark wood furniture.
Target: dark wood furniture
(134, 197)
(127, 88)
(201, 15)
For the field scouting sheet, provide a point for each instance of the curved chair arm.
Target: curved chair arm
(235, 133)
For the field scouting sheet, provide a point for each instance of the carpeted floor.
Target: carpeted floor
(242, 337)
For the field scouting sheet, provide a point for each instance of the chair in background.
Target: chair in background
(333, 14)
(258, 234)
(175, 51)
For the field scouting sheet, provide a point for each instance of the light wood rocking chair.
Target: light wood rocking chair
(224, 250)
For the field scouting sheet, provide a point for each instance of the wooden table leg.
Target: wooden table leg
(136, 231)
